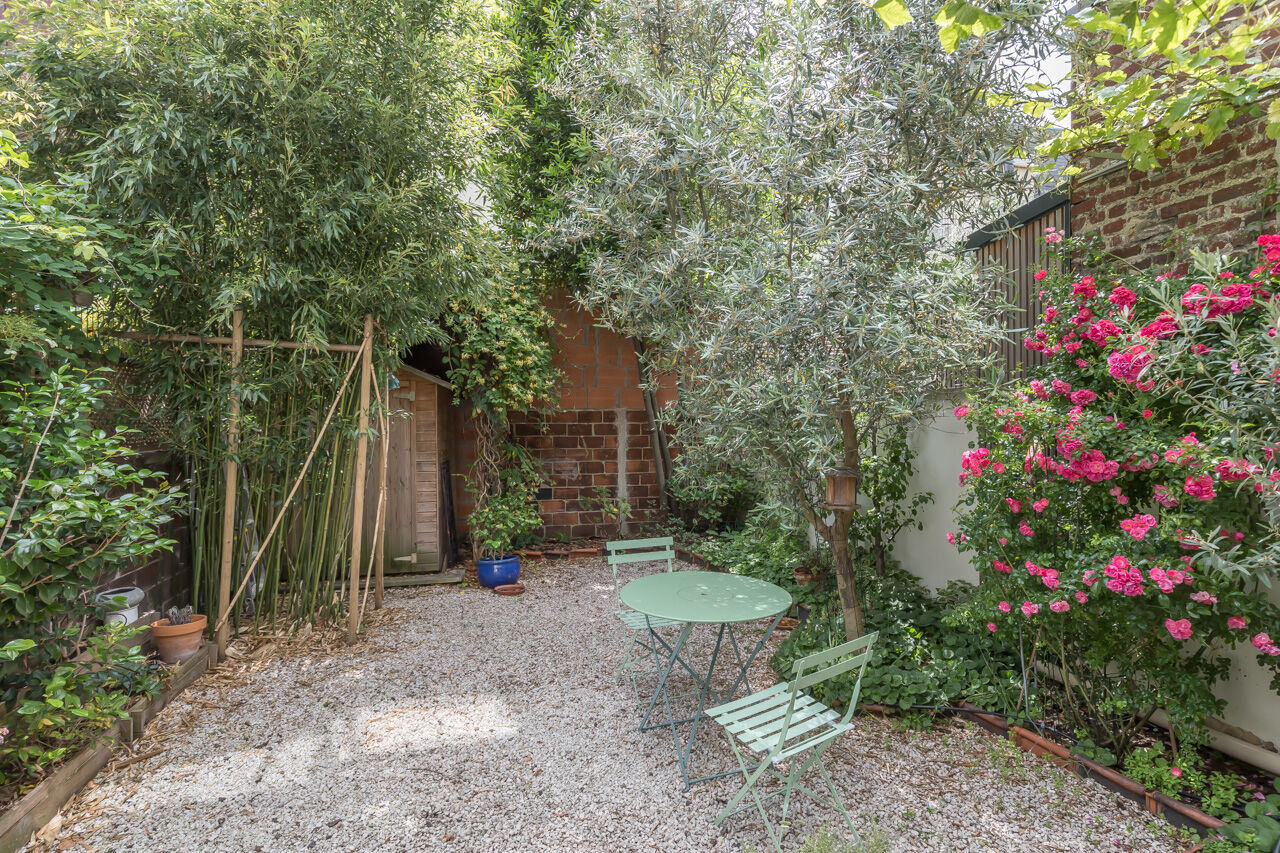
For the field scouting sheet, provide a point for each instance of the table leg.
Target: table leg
(742, 678)
(697, 714)
(663, 673)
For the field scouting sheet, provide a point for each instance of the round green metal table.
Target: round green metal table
(701, 598)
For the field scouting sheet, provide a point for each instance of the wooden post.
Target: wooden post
(357, 503)
(232, 472)
(379, 557)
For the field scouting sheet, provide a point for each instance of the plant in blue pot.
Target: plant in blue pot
(505, 516)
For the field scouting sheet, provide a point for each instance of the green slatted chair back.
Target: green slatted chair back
(824, 666)
(639, 551)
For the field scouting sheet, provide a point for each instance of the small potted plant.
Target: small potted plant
(178, 636)
(804, 575)
(504, 517)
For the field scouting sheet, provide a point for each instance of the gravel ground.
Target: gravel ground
(467, 721)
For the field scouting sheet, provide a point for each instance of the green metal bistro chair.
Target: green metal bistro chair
(637, 624)
(783, 722)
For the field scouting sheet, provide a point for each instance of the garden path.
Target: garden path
(466, 721)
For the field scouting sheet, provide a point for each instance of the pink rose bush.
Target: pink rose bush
(1151, 513)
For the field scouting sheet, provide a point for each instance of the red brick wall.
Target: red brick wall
(1215, 197)
(1211, 197)
(599, 438)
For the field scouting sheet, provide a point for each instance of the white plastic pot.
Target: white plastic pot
(126, 614)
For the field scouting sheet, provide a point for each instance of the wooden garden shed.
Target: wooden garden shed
(419, 462)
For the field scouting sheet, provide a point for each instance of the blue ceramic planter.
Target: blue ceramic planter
(497, 572)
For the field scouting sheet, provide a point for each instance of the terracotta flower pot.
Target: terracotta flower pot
(176, 643)
(786, 623)
(804, 577)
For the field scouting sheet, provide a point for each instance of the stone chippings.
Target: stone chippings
(473, 722)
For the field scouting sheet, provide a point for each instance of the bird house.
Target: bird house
(842, 488)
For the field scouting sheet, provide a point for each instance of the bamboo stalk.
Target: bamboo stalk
(306, 465)
(231, 476)
(357, 504)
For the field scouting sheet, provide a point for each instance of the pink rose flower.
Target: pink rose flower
(1123, 297)
(1203, 597)
(1030, 609)
(991, 626)
(1176, 772)
(1014, 505)
(1025, 529)
(1059, 607)
(1200, 487)
(1139, 525)
(1041, 505)
(1236, 622)
(1082, 597)
(1179, 628)
(961, 410)
(1005, 607)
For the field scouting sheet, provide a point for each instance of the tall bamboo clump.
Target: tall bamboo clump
(285, 396)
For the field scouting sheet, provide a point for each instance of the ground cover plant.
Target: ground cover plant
(1121, 530)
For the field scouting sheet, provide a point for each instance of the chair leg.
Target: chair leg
(839, 804)
(750, 778)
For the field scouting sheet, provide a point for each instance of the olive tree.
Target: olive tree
(771, 194)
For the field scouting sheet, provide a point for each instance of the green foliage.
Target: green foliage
(54, 710)
(612, 510)
(926, 655)
(710, 493)
(72, 509)
(508, 513)
(1154, 770)
(300, 158)
(1196, 68)
(535, 152)
(767, 552)
(758, 208)
(888, 507)
(1115, 526)
(72, 506)
(57, 254)
(307, 161)
(1259, 828)
(500, 355)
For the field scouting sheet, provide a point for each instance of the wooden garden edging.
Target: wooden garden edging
(43, 802)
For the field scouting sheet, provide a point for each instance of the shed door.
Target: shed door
(400, 481)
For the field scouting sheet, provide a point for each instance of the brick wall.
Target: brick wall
(598, 440)
(165, 577)
(1215, 197)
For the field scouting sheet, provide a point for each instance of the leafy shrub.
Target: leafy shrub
(926, 654)
(52, 711)
(709, 494)
(73, 507)
(1099, 493)
(508, 515)
(766, 552)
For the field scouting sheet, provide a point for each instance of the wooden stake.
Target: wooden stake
(380, 555)
(357, 502)
(232, 475)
